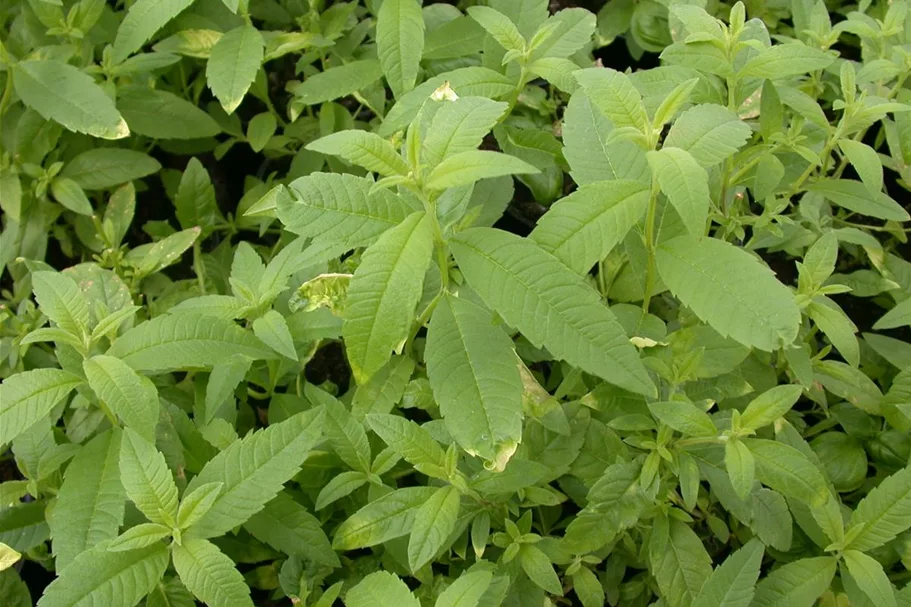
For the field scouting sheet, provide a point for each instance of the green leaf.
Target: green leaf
(466, 591)
(113, 579)
(582, 228)
(381, 588)
(233, 64)
(732, 584)
(90, 503)
(686, 185)
(30, 396)
(336, 82)
(381, 520)
(346, 434)
(400, 43)
(336, 208)
(788, 471)
(588, 588)
(170, 592)
(286, 525)
(102, 168)
(411, 441)
(537, 567)
(870, 577)
(143, 19)
(836, 325)
(741, 467)
(130, 396)
(383, 294)
(185, 340)
(712, 277)
(273, 456)
(884, 513)
(865, 161)
(468, 167)
(70, 195)
(260, 130)
(272, 329)
(784, 60)
(140, 536)
(796, 584)
(683, 567)
(614, 95)
(61, 300)
(551, 305)
(769, 406)
(459, 126)
(195, 203)
(570, 30)
(62, 93)
(473, 373)
(499, 27)
(898, 316)
(147, 480)
(683, 417)
(434, 522)
(14, 590)
(195, 504)
(210, 575)
(363, 149)
(855, 196)
(339, 486)
(710, 133)
(163, 115)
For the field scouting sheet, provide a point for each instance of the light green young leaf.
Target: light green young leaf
(819, 261)
(468, 167)
(686, 185)
(61, 300)
(70, 195)
(434, 522)
(170, 592)
(785, 60)
(732, 584)
(459, 126)
(539, 570)
(195, 504)
(140, 536)
(339, 486)
(102, 168)
(474, 377)
(614, 95)
(272, 329)
(682, 569)
(195, 202)
(712, 277)
(884, 512)
(339, 81)
(210, 575)
(223, 380)
(710, 133)
(411, 441)
(127, 394)
(865, 161)
(570, 30)
(551, 305)
(29, 396)
(383, 519)
(499, 27)
(233, 64)
(582, 228)
(788, 471)
(400, 43)
(147, 479)
(466, 591)
(870, 577)
(769, 406)
(163, 115)
(62, 93)
(683, 417)
(363, 149)
(741, 467)
(855, 196)
(588, 588)
(345, 433)
(286, 525)
(274, 455)
(836, 325)
(90, 503)
(383, 294)
(898, 316)
(185, 340)
(260, 130)
(143, 19)
(156, 256)
(112, 579)
(381, 588)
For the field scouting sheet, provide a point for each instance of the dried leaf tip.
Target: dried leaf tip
(444, 93)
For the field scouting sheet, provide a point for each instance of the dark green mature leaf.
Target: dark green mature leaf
(163, 115)
(797, 584)
(286, 525)
(103, 168)
(144, 18)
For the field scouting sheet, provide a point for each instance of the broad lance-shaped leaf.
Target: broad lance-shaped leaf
(381, 588)
(730, 290)
(682, 567)
(132, 397)
(336, 208)
(472, 369)
(783, 60)
(551, 305)
(383, 294)
(582, 228)
(163, 115)
(400, 43)
(466, 591)
(411, 441)
(61, 300)
(185, 340)
(112, 579)
(869, 575)
(363, 149)
(210, 575)
(233, 64)
(27, 397)
(788, 471)
(381, 520)
(709, 132)
(884, 512)
(472, 166)
(102, 168)
(147, 479)
(459, 126)
(90, 503)
(60, 92)
(614, 95)
(686, 185)
(797, 584)
(338, 81)
(733, 583)
(143, 19)
(499, 27)
(856, 197)
(434, 522)
(253, 471)
(286, 525)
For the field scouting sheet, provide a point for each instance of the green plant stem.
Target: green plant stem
(198, 267)
(650, 246)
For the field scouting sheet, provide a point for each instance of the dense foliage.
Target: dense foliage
(390, 305)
